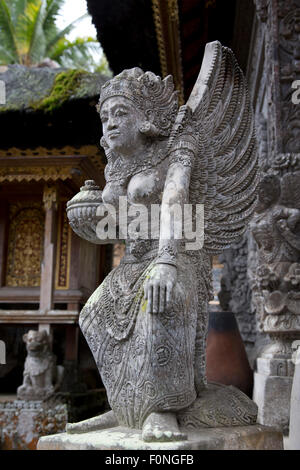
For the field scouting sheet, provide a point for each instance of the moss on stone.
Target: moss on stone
(46, 90)
(64, 86)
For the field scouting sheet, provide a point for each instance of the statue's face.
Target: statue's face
(35, 340)
(120, 122)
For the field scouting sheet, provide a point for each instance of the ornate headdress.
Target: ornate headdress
(149, 93)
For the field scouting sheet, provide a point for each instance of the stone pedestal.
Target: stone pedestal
(273, 380)
(272, 394)
(294, 439)
(255, 437)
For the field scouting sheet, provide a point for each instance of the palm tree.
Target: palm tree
(29, 35)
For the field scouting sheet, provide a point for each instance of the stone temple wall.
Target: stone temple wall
(274, 237)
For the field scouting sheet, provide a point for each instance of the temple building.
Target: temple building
(49, 147)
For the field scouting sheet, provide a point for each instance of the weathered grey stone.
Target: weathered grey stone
(294, 438)
(254, 437)
(274, 259)
(146, 324)
(217, 405)
(276, 284)
(272, 394)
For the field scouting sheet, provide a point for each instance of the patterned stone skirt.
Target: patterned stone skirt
(146, 361)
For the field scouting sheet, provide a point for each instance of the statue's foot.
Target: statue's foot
(104, 421)
(160, 427)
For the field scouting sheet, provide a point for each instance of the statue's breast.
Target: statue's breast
(146, 187)
(112, 192)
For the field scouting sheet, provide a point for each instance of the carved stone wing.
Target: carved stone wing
(217, 124)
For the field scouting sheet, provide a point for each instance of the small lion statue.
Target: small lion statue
(41, 377)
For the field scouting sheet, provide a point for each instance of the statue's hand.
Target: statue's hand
(159, 286)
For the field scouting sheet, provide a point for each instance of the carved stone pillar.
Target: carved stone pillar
(276, 226)
(235, 294)
(48, 264)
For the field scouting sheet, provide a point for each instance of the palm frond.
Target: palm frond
(77, 53)
(79, 44)
(6, 57)
(17, 8)
(53, 8)
(8, 37)
(30, 32)
(63, 33)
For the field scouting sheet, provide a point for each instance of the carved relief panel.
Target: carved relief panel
(25, 245)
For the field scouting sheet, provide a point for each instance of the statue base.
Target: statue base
(272, 394)
(254, 437)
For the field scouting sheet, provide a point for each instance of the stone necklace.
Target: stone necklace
(118, 171)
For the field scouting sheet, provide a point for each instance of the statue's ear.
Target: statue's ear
(149, 115)
(25, 337)
(149, 129)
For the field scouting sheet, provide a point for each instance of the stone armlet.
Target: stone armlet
(182, 152)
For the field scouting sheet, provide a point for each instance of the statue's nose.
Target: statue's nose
(111, 123)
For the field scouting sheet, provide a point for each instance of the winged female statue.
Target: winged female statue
(146, 323)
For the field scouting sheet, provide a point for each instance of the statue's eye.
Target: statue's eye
(103, 118)
(120, 112)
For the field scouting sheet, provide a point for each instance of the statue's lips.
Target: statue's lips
(34, 347)
(111, 135)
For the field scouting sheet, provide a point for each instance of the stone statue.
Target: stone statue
(41, 375)
(276, 229)
(146, 323)
(275, 281)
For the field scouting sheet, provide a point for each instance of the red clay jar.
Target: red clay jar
(226, 358)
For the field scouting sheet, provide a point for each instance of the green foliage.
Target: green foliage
(28, 35)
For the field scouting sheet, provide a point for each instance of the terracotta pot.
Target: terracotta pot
(226, 358)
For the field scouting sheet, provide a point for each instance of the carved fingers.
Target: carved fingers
(159, 287)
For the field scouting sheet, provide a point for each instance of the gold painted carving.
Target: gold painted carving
(23, 173)
(160, 37)
(63, 252)
(210, 3)
(94, 154)
(173, 10)
(25, 245)
(168, 40)
(89, 150)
